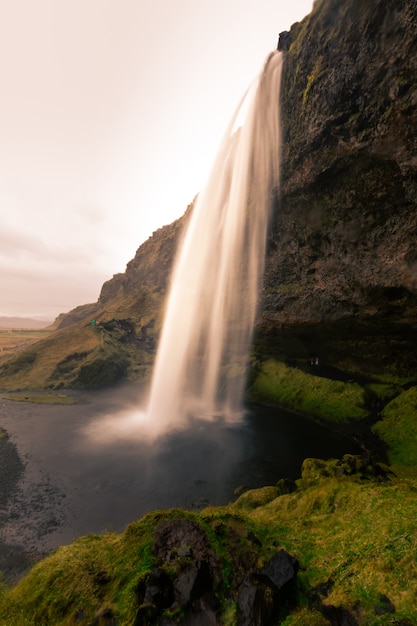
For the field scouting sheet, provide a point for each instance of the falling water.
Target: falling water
(201, 362)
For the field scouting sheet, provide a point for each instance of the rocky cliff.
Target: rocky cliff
(343, 240)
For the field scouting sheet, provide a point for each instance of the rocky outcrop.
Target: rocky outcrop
(151, 267)
(142, 287)
(343, 236)
(188, 581)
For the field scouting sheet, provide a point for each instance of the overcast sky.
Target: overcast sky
(111, 112)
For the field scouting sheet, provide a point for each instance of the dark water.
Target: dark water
(77, 480)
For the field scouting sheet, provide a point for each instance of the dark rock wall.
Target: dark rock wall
(343, 236)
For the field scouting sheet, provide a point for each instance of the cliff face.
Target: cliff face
(343, 238)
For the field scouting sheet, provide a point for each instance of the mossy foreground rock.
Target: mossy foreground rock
(169, 568)
(189, 576)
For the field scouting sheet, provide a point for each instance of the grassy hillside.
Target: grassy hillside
(15, 339)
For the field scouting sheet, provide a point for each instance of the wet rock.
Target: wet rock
(194, 571)
(146, 615)
(203, 612)
(255, 605)
(343, 233)
(157, 589)
(281, 569)
(266, 591)
(189, 590)
(188, 579)
(172, 537)
(192, 582)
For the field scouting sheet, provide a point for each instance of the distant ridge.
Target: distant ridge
(23, 322)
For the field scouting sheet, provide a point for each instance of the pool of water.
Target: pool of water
(83, 474)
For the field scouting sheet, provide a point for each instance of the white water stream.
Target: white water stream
(200, 367)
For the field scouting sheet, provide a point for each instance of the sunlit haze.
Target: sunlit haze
(111, 115)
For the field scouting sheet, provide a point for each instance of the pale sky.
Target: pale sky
(111, 113)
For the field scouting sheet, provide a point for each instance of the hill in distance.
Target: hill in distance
(7, 323)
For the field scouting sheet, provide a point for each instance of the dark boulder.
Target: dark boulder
(186, 586)
(384, 605)
(267, 591)
(338, 615)
(281, 569)
(183, 550)
(284, 40)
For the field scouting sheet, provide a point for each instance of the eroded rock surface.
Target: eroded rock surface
(344, 232)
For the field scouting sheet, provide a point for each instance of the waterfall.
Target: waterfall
(201, 363)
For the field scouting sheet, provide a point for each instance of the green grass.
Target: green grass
(91, 573)
(334, 401)
(359, 535)
(398, 428)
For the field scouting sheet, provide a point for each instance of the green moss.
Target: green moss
(104, 367)
(256, 497)
(359, 535)
(286, 288)
(335, 401)
(398, 429)
(311, 79)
